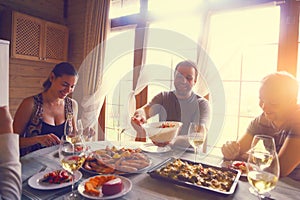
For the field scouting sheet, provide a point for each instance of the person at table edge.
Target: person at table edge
(10, 165)
(182, 104)
(280, 119)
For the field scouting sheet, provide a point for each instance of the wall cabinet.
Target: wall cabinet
(36, 39)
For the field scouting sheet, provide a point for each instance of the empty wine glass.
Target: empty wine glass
(68, 128)
(72, 154)
(73, 133)
(79, 126)
(262, 177)
(196, 136)
(120, 126)
(86, 132)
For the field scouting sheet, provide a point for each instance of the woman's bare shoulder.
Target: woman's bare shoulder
(28, 100)
(27, 103)
(22, 114)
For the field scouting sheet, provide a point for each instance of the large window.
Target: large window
(243, 44)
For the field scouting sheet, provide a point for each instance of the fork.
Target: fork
(41, 170)
(30, 195)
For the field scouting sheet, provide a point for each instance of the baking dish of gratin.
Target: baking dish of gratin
(196, 175)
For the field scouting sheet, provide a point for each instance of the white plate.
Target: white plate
(35, 182)
(229, 164)
(152, 148)
(119, 172)
(127, 186)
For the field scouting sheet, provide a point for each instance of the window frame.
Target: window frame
(287, 45)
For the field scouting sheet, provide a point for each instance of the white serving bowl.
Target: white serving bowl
(162, 136)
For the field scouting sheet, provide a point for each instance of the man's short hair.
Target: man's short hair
(188, 63)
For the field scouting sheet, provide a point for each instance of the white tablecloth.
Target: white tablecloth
(145, 187)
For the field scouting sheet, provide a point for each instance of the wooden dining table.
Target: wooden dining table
(143, 185)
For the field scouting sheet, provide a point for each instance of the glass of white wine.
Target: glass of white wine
(262, 177)
(196, 136)
(263, 149)
(72, 154)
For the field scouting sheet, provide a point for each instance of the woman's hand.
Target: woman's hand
(231, 150)
(48, 140)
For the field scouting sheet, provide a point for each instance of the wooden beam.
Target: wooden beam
(140, 37)
(288, 39)
(101, 122)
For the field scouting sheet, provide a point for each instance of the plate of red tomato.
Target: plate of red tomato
(55, 179)
(237, 165)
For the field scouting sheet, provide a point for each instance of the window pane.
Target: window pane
(119, 8)
(173, 6)
(250, 99)
(262, 58)
(230, 133)
(234, 31)
(165, 63)
(189, 26)
(120, 77)
(243, 44)
(243, 125)
(232, 103)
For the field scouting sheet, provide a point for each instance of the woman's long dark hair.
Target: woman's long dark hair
(63, 68)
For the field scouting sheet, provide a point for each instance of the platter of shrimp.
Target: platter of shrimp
(113, 160)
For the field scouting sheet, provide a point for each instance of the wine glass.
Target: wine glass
(263, 149)
(72, 156)
(73, 134)
(196, 136)
(68, 128)
(86, 131)
(262, 177)
(119, 127)
(79, 126)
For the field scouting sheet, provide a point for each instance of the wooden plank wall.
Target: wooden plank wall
(26, 77)
(76, 24)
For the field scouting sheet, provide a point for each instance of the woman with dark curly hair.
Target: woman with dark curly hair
(40, 119)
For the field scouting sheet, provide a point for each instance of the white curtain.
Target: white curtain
(88, 91)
